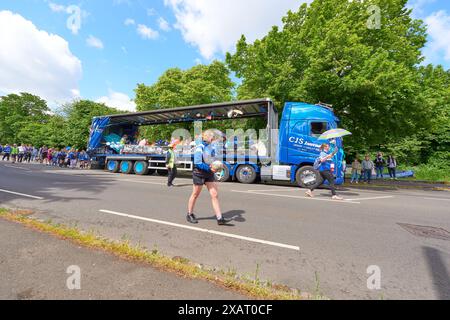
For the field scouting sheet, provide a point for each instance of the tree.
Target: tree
(79, 115)
(20, 114)
(201, 84)
(326, 52)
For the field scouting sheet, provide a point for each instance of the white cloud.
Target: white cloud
(418, 7)
(129, 22)
(214, 26)
(151, 12)
(163, 24)
(119, 2)
(75, 15)
(147, 32)
(35, 61)
(119, 101)
(56, 7)
(94, 42)
(439, 37)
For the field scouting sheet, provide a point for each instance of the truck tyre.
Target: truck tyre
(307, 177)
(246, 174)
(226, 175)
(151, 171)
(141, 168)
(126, 167)
(113, 166)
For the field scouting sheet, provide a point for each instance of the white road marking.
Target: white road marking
(21, 194)
(144, 182)
(20, 168)
(296, 197)
(223, 234)
(373, 198)
(275, 190)
(439, 199)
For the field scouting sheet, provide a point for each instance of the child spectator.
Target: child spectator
(356, 170)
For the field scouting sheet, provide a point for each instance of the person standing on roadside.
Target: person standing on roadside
(44, 153)
(392, 167)
(6, 152)
(367, 167)
(170, 164)
(326, 170)
(21, 153)
(14, 153)
(379, 165)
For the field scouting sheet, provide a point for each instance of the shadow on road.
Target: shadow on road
(50, 186)
(438, 271)
(234, 215)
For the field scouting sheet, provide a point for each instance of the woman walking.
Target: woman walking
(326, 170)
(203, 174)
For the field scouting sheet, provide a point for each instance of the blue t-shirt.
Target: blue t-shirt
(204, 152)
(326, 165)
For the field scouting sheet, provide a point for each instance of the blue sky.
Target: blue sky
(120, 43)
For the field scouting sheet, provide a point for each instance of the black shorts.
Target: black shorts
(201, 177)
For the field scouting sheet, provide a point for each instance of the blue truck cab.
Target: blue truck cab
(300, 127)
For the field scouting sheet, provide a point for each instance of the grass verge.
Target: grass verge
(253, 288)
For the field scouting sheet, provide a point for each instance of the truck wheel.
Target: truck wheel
(151, 171)
(226, 175)
(126, 167)
(113, 166)
(307, 177)
(141, 168)
(246, 174)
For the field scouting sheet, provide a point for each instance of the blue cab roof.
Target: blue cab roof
(306, 111)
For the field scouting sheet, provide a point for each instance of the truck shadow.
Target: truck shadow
(438, 272)
(50, 186)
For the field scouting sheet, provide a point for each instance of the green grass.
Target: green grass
(250, 286)
(422, 172)
(431, 173)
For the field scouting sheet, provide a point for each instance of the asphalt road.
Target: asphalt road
(38, 266)
(316, 245)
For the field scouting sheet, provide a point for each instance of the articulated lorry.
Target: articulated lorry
(290, 144)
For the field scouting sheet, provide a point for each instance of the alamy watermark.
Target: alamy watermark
(73, 282)
(374, 280)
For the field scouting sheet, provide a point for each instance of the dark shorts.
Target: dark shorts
(201, 177)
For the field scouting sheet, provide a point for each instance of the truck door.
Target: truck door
(303, 145)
